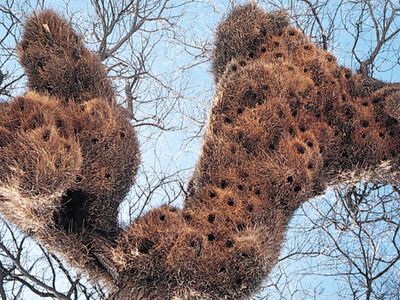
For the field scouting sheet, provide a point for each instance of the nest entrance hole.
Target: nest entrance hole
(73, 212)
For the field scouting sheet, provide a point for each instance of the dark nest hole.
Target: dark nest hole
(37, 121)
(212, 194)
(59, 124)
(252, 98)
(145, 246)
(229, 244)
(271, 147)
(186, 216)
(302, 128)
(240, 226)
(46, 135)
(73, 212)
(211, 218)
(300, 149)
(227, 120)
(297, 188)
(349, 111)
(223, 184)
(364, 123)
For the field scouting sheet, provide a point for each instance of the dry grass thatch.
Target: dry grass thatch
(68, 152)
(57, 63)
(286, 122)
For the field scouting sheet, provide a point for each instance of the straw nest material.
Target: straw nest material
(286, 122)
(68, 153)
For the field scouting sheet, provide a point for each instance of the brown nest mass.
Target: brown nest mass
(286, 122)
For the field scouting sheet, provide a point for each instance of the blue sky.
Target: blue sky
(171, 151)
